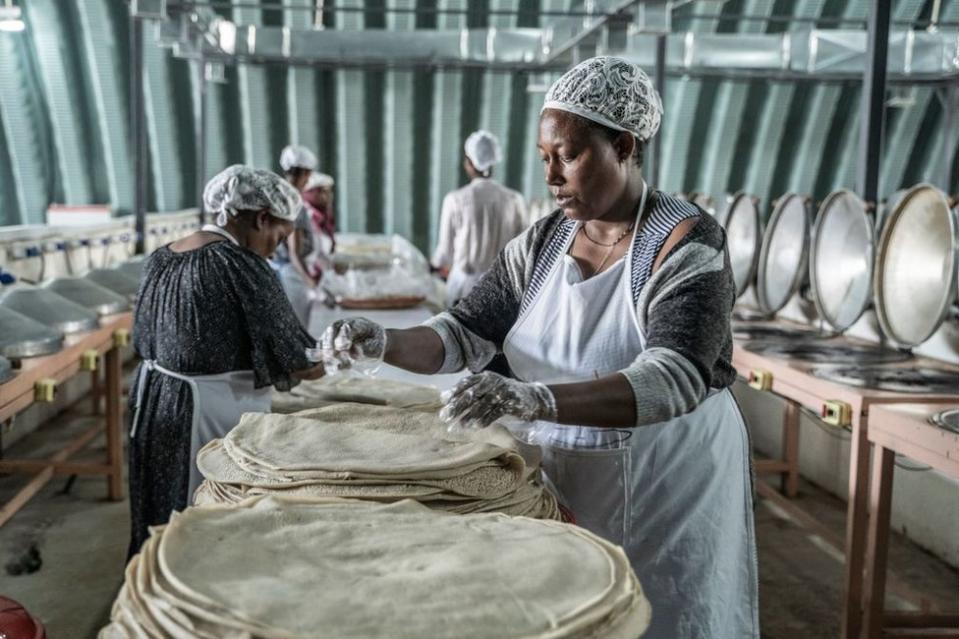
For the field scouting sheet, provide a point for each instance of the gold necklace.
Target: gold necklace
(618, 239)
(611, 247)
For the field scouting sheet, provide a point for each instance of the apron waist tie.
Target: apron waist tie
(146, 366)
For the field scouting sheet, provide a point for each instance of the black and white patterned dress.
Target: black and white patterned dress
(214, 309)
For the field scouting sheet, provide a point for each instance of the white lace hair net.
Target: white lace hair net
(318, 180)
(609, 91)
(297, 157)
(482, 149)
(243, 188)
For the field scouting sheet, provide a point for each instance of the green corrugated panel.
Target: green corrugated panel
(821, 108)
(20, 115)
(727, 117)
(904, 131)
(301, 86)
(217, 131)
(351, 136)
(400, 148)
(447, 149)
(165, 165)
(498, 89)
(682, 99)
(62, 96)
(534, 181)
(103, 54)
(771, 124)
(256, 102)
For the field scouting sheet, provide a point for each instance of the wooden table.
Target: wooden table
(903, 429)
(101, 345)
(852, 407)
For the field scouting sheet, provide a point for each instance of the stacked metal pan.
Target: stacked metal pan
(50, 309)
(89, 294)
(25, 337)
(116, 281)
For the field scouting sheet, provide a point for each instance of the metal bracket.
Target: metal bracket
(45, 390)
(121, 337)
(89, 360)
(836, 413)
(760, 379)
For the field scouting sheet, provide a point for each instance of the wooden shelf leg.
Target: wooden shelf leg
(790, 448)
(114, 424)
(857, 519)
(96, 389)
(880, 505)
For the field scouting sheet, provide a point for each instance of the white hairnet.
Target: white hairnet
(482, 149)
(243, 188)
(609, 91)
(318, 180)
(297, 157)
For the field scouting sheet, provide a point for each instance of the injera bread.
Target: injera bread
(272, 567)
(374, 453)
(357, 389)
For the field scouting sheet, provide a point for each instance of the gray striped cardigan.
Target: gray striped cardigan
(683, 309)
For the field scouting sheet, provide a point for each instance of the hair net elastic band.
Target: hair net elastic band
(598, 118)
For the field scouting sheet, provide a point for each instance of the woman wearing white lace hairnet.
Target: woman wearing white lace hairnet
(215, 332)
(477, 220)
(610, 321)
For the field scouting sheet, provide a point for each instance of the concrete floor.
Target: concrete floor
(81, 541)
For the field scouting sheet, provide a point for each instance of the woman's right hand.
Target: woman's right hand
(352, 340)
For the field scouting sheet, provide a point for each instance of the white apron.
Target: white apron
(218, 402)
(459, 284)
(675, 495)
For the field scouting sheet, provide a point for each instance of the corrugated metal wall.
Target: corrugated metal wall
(393, 139)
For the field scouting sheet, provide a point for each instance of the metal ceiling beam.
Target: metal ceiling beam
(873, 104)
(560, 36)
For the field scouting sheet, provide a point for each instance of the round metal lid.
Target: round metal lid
(133, 267)
(782, 259)
(115, 281)
(915, 276)
(743, 238)
(6, 370)
(705, 202)
(921, 380)
(89, 294)
(50, 309)
(948, 419)
(890, 205)
(841, 258)
(24, 337)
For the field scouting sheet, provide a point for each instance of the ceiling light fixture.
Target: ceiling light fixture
(11, 18)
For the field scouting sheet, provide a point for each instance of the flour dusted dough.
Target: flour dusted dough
(276, 568)
(357, 389)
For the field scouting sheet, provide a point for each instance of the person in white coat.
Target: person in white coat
(477, 220)
(610, 322)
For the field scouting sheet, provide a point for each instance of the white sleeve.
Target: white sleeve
(443, 255)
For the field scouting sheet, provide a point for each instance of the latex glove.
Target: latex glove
(352, 340)
(479, 400)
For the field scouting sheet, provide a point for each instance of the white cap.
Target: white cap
(243, 188)
(482, 149)
(297, 157)
(318, 180)
(609, 91)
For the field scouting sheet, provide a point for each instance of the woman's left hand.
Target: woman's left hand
(479, 400)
